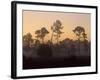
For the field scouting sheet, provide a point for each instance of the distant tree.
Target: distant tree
(27, 40)
(36, 42)
(79, 31)
(86, 43)
(44, 51)
(84, 36)
(38, 34)
(41, 33)
(49, 42)
(56, 28)
(44, 31)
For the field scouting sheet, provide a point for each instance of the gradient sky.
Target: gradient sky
(34, 20)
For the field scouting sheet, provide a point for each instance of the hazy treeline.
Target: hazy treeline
(37, 47)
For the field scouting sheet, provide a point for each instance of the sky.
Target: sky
(35, 20)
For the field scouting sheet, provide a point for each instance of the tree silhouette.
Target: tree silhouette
(27, 40)
(41, 33)
(36, 42)
(85, 41)
(56, 28)
(79, 31)
(84, 36)
(44, 31)
(38, 33)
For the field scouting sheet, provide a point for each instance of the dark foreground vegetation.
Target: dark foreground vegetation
(52, 56)
(55, 62)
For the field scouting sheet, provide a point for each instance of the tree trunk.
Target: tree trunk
(42, 40)
(79, 44)
(52, 36)
(57, 38)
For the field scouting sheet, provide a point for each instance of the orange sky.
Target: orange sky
(34, 20)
